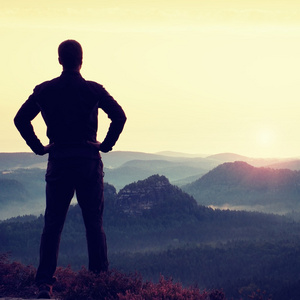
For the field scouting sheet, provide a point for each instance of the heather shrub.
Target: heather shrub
(115, 285)
(166, 289)
(88, 286)
(16, 280)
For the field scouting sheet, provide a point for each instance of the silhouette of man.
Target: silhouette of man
(69, 106)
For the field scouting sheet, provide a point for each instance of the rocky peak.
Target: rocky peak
(144, 194)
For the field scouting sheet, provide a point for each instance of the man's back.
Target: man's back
(69, 105)
(69, 108)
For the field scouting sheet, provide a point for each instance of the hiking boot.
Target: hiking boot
(45, 291)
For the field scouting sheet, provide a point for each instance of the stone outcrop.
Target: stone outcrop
(143, 195)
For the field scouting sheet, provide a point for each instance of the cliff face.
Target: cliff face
(143, 195)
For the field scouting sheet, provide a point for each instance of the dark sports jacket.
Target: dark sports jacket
(69, 105)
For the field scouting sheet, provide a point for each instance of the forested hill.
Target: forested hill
(12, 191)
(239, 184)
(22, 191)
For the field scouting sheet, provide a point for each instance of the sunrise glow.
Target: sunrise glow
(192, 76)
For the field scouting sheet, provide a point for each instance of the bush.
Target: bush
(85, 285)
(166, 289)
(17, 280)
(115, 285)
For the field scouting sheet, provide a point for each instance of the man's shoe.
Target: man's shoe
(45, 291)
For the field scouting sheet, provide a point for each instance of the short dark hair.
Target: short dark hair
(70, 54)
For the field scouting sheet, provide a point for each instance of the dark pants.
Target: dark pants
(64, 177)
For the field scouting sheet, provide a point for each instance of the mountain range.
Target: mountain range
(221, 180)
(124, 167)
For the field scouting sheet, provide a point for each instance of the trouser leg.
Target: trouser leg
(59, 193)
(90, 198)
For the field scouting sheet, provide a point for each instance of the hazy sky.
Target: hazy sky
(193, 76)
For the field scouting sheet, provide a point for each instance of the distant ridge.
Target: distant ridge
(291, 165)
(238, 185)
(179, 154)
(228, 157)
(116, 159)
(124, 167)
(256, 162)
(22, 160)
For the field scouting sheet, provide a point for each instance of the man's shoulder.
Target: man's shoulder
(95, 86)
(47, 83)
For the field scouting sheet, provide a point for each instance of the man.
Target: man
(69, 106)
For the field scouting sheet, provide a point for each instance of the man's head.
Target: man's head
(70, 55)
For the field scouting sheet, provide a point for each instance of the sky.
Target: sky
(193, 76)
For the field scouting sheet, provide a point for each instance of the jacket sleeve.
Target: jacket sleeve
(28, 111)
(117, 116)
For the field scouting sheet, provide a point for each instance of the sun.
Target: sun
(266, 137)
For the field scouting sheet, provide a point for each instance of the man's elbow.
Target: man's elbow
(20, 122)
(124, 119)
(120, 122)
(17, 121)
(121, 119)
